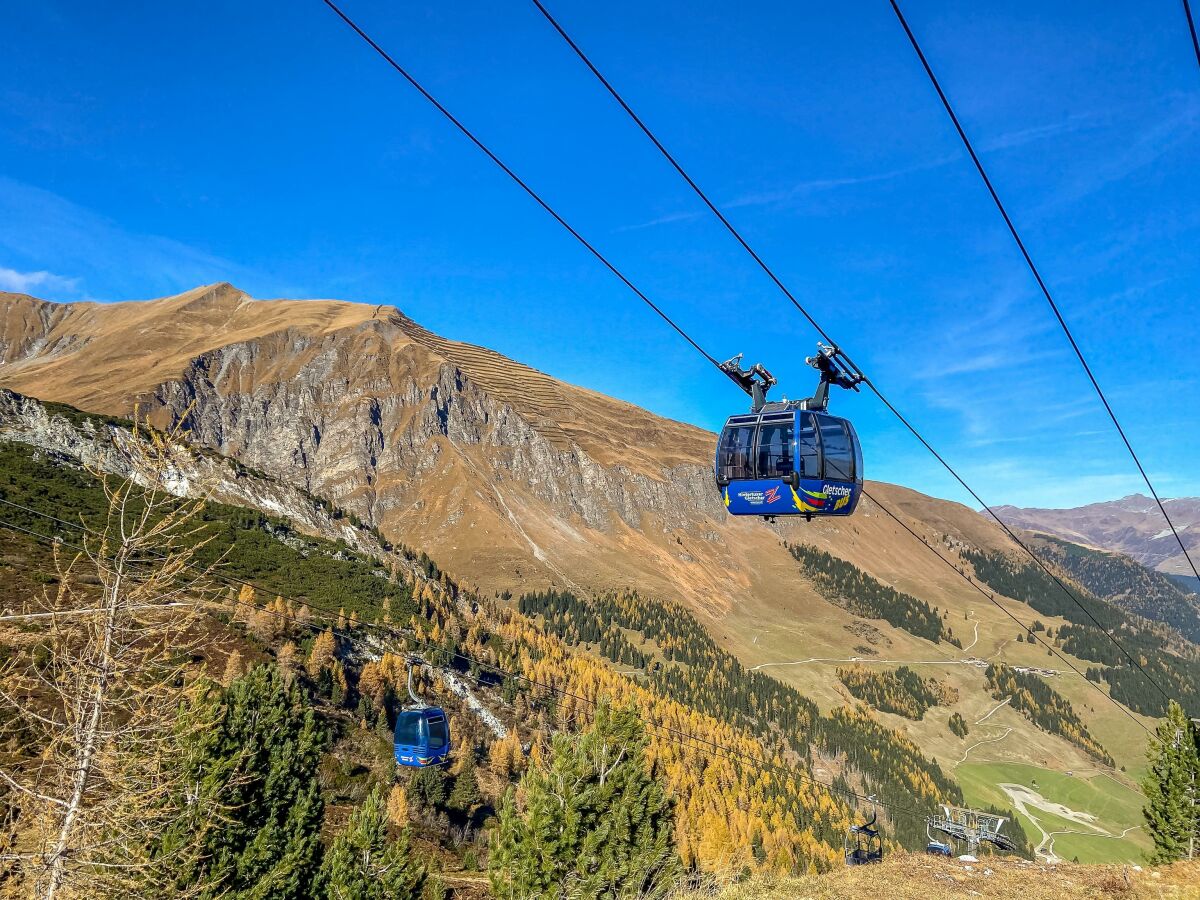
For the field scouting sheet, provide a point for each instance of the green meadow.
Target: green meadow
(1117, 808)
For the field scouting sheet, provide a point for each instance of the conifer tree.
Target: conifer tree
(233, 667)
(362, 864)
(465, 795)
(427, 787)
(323, 653)
(500, 757)
(1172, 808)
(287, 658)
(90, 696)
(591, 822)
(245, 603)
(397, 806)
(259, 759)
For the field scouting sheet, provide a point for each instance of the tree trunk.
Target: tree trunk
(92, 714)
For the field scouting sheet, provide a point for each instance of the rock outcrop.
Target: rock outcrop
(110, 447)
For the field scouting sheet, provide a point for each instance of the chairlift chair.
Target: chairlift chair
(864, 844)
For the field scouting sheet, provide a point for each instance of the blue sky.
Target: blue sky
(147, 149)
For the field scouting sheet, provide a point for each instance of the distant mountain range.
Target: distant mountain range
(1132, 525)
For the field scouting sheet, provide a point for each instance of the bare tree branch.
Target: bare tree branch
(92, 701)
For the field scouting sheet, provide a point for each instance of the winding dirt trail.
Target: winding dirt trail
(867, 660)
(1026, 799)
(992, 740)
(975, 640)
(1111, 837)
(995, 708)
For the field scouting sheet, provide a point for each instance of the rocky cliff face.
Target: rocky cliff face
(27, 328)
(109, 446)
(344, 431)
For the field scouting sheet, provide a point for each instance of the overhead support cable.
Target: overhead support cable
(1187, 11)
(1037, 275)
(520, 182)
(778, 282)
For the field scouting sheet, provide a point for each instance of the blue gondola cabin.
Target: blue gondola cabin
(786, 461)
(422, 737)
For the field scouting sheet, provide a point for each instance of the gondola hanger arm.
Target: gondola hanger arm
(834, 369)
(755, 381)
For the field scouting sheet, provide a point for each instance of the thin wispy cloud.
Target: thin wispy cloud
(1009, 140)
(29, 282)
(783, 195)
(1023, 136)
(793, 192)
(1177, 126)
(995, 410)
(978, 363)
(999, 328)
(668, 219)
(42, 233)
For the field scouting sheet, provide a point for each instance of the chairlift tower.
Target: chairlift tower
(971, 827)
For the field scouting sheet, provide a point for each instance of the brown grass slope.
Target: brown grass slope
(916, 877)
(108, 357)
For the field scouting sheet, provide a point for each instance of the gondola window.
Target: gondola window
(839, 457)
(775, 449)
(736, 454)
(810, 451)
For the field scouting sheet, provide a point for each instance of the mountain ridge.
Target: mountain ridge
(1132, 525)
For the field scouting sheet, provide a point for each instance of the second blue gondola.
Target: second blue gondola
(422, 736)
(939, 848)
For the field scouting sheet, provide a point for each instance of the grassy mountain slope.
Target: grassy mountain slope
(1121, 580)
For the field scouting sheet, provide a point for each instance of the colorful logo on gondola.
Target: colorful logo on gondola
(771, 495)
(831, 499)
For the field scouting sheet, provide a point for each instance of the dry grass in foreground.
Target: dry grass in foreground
(921, 877)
